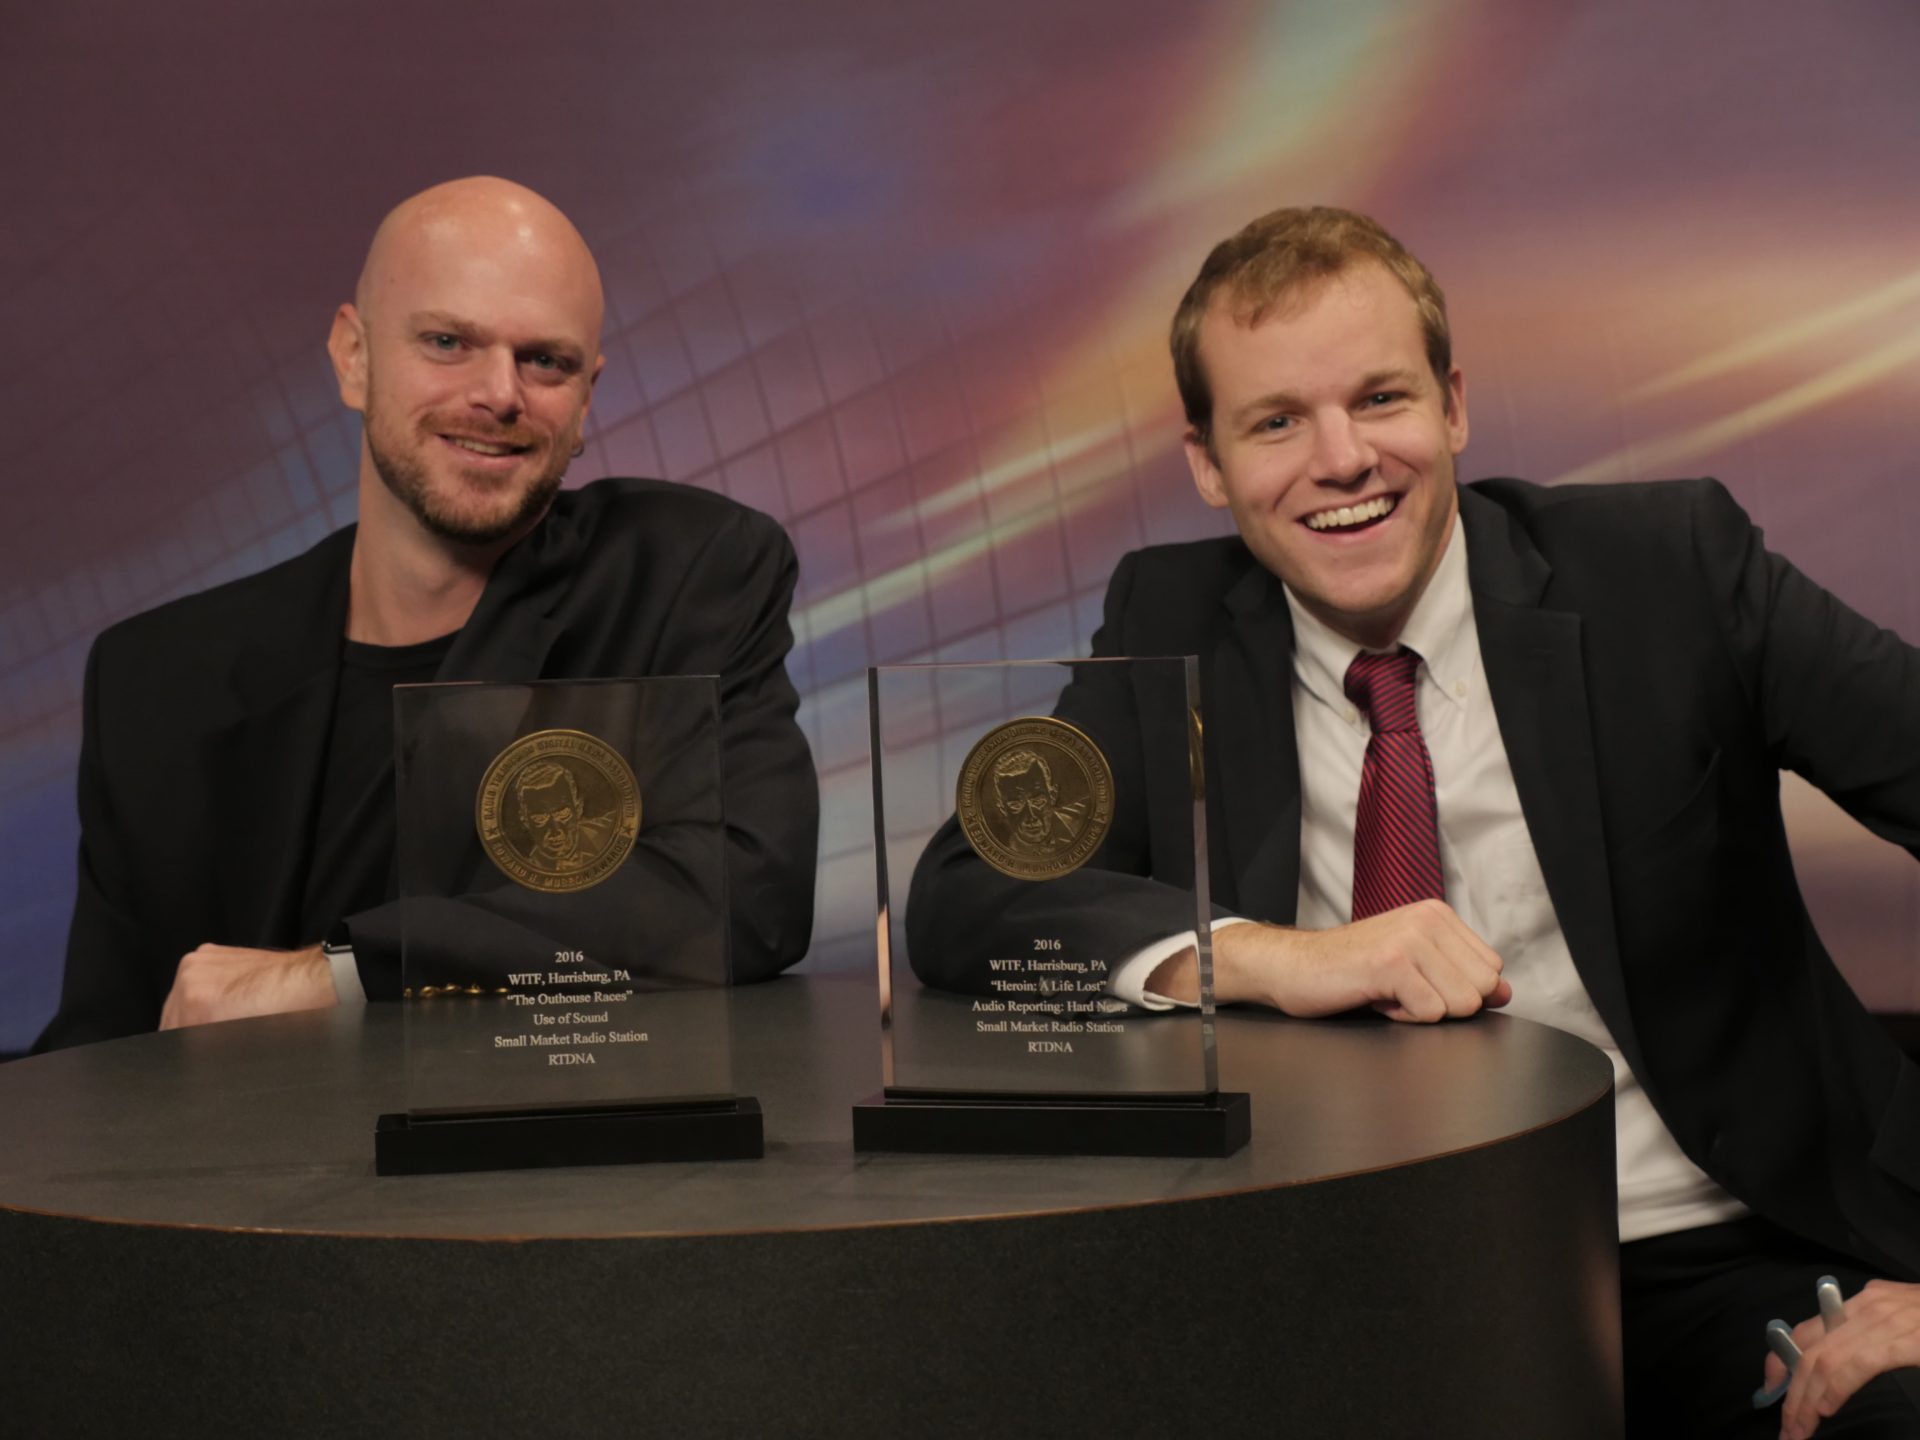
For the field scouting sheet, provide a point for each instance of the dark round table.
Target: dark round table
(1419, 1240)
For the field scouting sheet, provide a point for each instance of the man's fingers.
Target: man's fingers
(1437, 967)
(1458, 986)
(1478, 965)
(1484, 952)
(1825, 1380)
(1414, 999)
(1795, 1417)
(1408, 975)
(1457, 963)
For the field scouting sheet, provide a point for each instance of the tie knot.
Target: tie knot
(1382, 686)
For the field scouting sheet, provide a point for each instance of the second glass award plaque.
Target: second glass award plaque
(1040, 835)
(562, 869)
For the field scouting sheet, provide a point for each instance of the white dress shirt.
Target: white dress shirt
(1487, 858)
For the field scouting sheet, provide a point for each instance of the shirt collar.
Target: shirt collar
(1435, 631)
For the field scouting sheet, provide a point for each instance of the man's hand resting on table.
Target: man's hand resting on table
(1418, 963)
(226, 982)
(1881, 1333)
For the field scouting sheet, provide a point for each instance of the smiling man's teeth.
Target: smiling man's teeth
(1347, 515)
(481, 447)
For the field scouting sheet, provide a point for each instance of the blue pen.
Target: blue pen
(1780, 1338)
(1833, 1315)
(1833, 1311)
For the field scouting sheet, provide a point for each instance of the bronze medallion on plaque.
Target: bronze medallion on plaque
(558, 811)
(1035, 798)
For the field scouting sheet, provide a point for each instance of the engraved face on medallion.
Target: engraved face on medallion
(1035, 798)
(558, 810)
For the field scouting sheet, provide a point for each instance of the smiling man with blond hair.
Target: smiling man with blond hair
(1504, 746)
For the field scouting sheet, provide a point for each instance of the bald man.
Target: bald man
(236, 774)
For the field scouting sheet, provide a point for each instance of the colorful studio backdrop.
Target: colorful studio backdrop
(899, 272)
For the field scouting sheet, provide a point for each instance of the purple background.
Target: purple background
(900, 273)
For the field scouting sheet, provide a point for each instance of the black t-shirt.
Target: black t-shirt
(352, 855)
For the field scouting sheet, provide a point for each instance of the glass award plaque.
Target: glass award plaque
(564, 928)
(1038, 825)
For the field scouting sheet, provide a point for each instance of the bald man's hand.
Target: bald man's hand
(1418, 963)
(228, 982)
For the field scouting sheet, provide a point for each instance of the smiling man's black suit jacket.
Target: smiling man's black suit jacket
(1652, 668)
(205, 730)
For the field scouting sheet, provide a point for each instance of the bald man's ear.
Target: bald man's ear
(347, 347)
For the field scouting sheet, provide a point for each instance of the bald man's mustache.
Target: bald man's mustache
(464, 427)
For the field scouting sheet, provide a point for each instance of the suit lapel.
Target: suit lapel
(1254, 751)
(512, 629)
(1537, 676)
(271, 749)
(269, 755)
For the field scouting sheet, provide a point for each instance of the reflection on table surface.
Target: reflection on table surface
(269, 1124)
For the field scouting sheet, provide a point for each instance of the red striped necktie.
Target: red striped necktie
(1396, 842)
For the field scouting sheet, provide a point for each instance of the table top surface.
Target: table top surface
(267, 1125)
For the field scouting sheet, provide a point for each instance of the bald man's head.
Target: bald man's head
(485, 213)
(470, 347)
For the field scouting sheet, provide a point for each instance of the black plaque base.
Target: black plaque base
(974, 1125)
(414, 1145)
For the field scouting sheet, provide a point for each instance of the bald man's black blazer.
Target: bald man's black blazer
(1653, 668)
(205, 726)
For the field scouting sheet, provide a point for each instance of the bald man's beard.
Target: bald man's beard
(399, 461)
